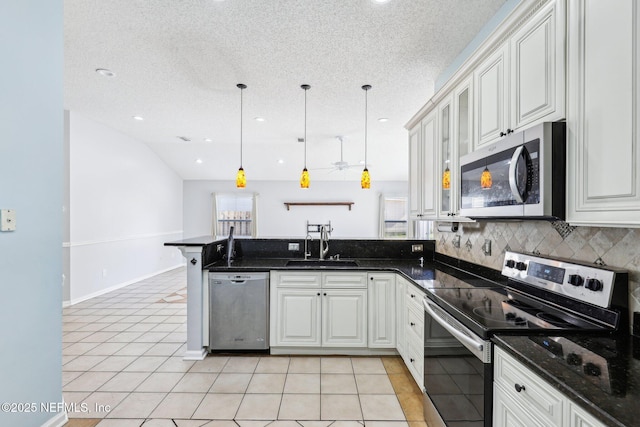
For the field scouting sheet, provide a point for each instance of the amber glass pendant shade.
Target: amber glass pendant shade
(365, 180)
(446, 179)
(304, 179)
(241, 179)
(485, 180)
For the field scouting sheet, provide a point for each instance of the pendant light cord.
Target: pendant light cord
(366, 109)
(241, 87)
(305, 127)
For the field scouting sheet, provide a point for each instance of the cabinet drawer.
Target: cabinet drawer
(291, 279)
(414, 297)
(344, 280)
(414, 325)
(535, 394)
(414, 359)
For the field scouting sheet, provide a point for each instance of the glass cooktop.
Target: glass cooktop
(488, 308)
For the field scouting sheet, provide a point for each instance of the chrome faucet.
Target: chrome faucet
(307, 252)
(230, 248)
(325, 230)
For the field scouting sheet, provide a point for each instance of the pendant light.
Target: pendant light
(446, 179)
(241, 179)
(485, 179)
(304, 178)
(365, 180)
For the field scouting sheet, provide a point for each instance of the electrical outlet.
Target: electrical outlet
(294, 246)
(417, 247)
(486, 247)
(456, 241)
(7, 220)
(104, 273)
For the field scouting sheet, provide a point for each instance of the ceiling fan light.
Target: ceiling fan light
(305, 179)
(365, 179)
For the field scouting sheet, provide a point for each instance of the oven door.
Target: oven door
(458, 379)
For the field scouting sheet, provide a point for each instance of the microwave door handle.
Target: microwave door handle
(450, 328)
(512, 174)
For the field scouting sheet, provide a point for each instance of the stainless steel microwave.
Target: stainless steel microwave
(523, 176)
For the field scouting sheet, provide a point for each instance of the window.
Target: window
(237, 211)
(394, 217)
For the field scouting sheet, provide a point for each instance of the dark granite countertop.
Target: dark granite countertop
(409, 268)
(194, 241)
(613, 401)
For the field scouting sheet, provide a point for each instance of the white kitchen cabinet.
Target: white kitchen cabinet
(297, 317)
(454, 138)
(521, 82)
(318, 309)
(522, 398)
(401, 288)
(414, 333)
(423, 168)
(603, 152)
(578, 417)
(344, 318)
(491, 88)
(382, 310)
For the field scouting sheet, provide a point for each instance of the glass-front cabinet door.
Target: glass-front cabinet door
(446, 160)
(455, 140)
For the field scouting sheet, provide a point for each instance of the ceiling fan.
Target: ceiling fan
(341, 165)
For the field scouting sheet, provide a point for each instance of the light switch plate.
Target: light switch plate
(7, 220)
(294, 246)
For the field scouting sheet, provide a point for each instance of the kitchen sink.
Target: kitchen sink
(321, 263)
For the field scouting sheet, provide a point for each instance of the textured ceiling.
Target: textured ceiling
(177, 64)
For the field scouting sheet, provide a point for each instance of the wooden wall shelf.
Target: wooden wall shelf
(289, 204)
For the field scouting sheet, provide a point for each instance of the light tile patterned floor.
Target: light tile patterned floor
(122, 366)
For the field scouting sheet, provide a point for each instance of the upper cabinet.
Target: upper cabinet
(521, 82)
(602, 113)
(455, 114)
(422, 168)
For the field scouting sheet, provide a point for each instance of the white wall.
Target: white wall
(275, 221)
(31, 183)
(124, 204)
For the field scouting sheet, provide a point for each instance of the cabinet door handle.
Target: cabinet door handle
(413, 296)
(325, 294)
(412, 324)
(503, 134)
(318, 293)
(412, 360)
(519, 387)
(509, 131)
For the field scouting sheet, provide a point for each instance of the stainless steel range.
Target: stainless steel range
(542, 297)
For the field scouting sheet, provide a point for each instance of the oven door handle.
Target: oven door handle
(464, 338)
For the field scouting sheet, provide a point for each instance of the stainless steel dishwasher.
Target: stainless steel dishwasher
(238, 311)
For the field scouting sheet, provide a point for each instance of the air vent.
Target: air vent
(184, 138)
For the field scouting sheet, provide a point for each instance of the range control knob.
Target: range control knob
(510, 263)
(574, 359)
(594, 285)
(592, 369)
(576, 280)
(521, 266)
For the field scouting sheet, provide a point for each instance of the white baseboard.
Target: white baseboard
(195, 354)
(118, 286)
(58, 420)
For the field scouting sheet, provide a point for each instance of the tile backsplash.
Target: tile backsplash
(615, 247)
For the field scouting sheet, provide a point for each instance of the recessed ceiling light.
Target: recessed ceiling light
(105, 72)
(383, 119)
(380, 1)
(280, 161)
(198, 161)
(259, 119)
(138, 118)
(208, 140)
